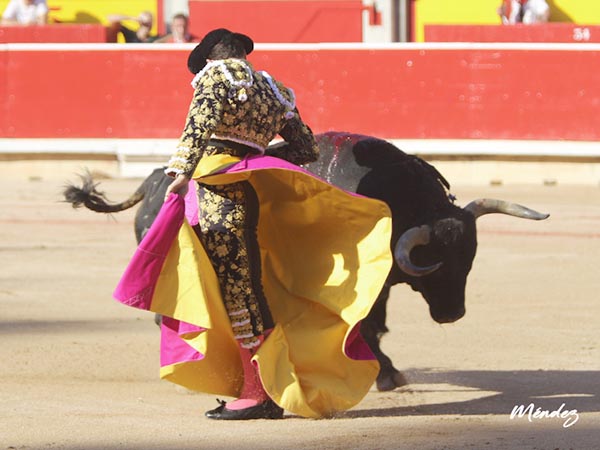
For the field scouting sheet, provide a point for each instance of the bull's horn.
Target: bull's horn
(410, 239)
(483, 206)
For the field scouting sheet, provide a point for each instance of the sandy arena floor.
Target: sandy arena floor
(80, 371)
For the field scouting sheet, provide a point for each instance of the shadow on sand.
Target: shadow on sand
(547, 389)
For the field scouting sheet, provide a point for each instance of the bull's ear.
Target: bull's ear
(448, 231)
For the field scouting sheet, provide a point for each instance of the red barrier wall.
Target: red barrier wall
(547, 32)
(89, 93)
(415, 91)
(54, 33)
(281, 21)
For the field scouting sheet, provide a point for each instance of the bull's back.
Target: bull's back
(412, 188)
(346, 158)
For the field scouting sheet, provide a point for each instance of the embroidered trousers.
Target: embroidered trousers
(228, 219)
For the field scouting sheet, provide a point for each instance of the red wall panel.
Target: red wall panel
(289, 21)
(4, 95)
(89, 93)
(60, 94)
(54, 33)
(396, 92)
(449, 93)
(548, 32)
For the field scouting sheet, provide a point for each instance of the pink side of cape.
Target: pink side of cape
(173, 349)
(137, 283)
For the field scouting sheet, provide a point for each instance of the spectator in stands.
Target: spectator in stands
(536, 11)
(25, 12)
(179, 31)
(524, 11)
(141, 35)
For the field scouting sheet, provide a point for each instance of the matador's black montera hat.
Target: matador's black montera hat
(198, 56)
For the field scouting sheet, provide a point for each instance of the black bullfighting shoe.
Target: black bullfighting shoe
(265, 410)
(214, 412)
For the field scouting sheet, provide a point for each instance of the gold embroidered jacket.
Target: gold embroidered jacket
(231, 101)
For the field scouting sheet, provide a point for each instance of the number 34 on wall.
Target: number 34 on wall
(581, 34)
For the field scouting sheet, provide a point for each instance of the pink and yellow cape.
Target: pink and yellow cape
(325, 256)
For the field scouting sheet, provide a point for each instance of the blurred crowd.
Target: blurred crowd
(178, 29)
(35, 12)
(141, 28)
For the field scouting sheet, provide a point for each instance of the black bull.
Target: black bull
(434, 241)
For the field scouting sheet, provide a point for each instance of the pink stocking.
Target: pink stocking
(253, 392)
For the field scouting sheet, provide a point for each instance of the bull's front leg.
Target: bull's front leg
(372, 329)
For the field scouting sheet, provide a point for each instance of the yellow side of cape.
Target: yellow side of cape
(325, 256)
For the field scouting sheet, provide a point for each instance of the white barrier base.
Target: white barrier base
(461, 161)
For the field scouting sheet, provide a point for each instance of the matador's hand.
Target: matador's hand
(178, 186)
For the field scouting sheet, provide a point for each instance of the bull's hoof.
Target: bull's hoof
(390, 381)
(400, 379)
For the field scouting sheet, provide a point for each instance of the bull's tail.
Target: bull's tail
(87, 195)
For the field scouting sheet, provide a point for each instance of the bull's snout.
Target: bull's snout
(448, 317)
